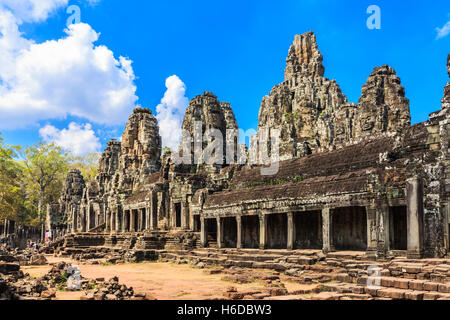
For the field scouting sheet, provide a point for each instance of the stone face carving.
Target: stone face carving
(313, 114)
(108, 165)
(303, 106)
(382, 106)
(212, 114)
(141, 148)
(73, 187)
(68, 207)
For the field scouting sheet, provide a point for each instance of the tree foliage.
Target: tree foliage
(88, 165)
(11, 192)
(44, 169)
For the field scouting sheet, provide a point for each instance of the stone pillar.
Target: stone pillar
(74, 220)
(132, 221)
(183, 216)
(383, 220)
(118, 226)
(113, 221)
(124, 221)
(140, 214)
(371, 215)
(219, 233)
(108, 220)
(239, 232)
(203, 235)
(290, 231)
(262, 231)
(147, 218)
(414, 196)
(327, 229)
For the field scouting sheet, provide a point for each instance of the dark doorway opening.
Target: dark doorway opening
(178, 215)
(277, 231)
(308, 230)
(211, 232)
(127, 221)
(350, 228)
(229, 227)
(250, 232)
(398, 230)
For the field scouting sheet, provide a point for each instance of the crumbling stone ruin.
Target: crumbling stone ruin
(14, 235)
(352, 177)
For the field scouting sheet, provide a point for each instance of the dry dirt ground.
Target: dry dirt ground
(163, 281)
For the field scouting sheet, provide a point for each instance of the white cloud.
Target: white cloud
(444, 31)
(170, 112)
(58, 78)
(32, 10)
(79, 139)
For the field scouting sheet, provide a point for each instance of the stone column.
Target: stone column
(414, 196)
(132, 221)
(147, 218)
(383, 221)
(74, 220)
(108, 220)
(124, 221)
(183, 216)
(140, 220)
(290, 231)
(219, 233)
(239, 232)
(113, 221)
(371, 214)
(118, 226)
(203, 235)
(262, 231)
(327, 229)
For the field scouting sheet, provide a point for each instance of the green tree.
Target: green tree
(45, 167)
(87, 164)
(11, 195)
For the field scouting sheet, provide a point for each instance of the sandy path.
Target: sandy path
(164, 281)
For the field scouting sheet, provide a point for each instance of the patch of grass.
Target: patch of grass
(61, 279)
(91, 286)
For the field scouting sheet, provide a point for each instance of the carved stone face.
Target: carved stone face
(367, 123)
(340, 131)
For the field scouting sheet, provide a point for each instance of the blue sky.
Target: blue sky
(237, 49)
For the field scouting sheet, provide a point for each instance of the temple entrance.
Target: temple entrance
(250, 232)
(136, 220)
(127, 221)
(197, 223)
(350, 228)
(91, 218)
(211, 232)
(277, 229)
(308, 230)
(398, 230)
(178, 215)
(229, 229)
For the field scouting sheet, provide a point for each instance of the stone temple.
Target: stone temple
(352, 177)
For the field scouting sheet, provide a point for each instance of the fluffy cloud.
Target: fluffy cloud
(444, 31)
(58, 78)
(32, 10)
(170, 112)
(79, 139)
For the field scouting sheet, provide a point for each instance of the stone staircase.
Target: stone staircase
(341, 275)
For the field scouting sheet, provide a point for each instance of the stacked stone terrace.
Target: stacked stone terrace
(353, 177)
